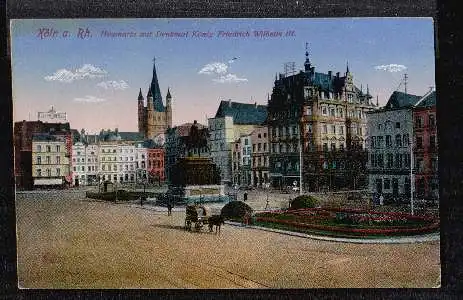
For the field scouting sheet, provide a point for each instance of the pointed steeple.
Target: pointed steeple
(377, 103)
(347, 68)
(368, 90)
(307, 60)
(150, 94)
(140, 96)
(156, 91)
(168, 93)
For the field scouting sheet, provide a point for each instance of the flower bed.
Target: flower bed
(348, 222)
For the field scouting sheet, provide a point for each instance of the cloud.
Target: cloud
(229, 78)
(214, 68)
(86, 71)
(111, 84)
(90, 99)
(391, 68)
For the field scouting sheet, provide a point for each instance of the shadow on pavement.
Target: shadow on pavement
(204, 230)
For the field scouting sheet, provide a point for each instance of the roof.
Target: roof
(400, 100)
(184, 129)
(427, 100)
(47, 137)
(75, 135)
(157, 98)
(150, 144)
(131, 136)
(242, 113)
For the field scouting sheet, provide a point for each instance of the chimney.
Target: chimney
(255, 104)
(195, 122)
(229, 102)
(337, 74)
(330, 74)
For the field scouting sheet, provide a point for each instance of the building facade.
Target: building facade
(425, 148)
(156, 166)
(260, 156)
(23, 132)
(84, 163)
(154, 118)
(241, 161)
(231, 121)
(323, 116)
(50, 160)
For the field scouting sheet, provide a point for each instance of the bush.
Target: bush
(235, 210)
(304, 201)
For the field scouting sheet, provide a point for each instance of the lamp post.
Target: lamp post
(300, 166)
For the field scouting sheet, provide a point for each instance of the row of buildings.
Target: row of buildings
(317, 128)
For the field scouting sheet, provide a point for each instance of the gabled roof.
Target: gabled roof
(401, 100)
(427, 100)
(242, 113)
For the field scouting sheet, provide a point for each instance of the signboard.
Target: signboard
(52, 114)
(48, 181)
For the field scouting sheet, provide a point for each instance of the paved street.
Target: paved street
(72, 242)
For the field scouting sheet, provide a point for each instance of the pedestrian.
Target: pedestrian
(169, 208)
(246, 218)
(381, 200)
(245, 196)
(266, 205)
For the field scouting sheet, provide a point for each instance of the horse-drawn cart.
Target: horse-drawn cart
(196, 216)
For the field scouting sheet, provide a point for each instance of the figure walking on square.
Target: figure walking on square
(169, 208)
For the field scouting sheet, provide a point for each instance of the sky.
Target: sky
(95, 77)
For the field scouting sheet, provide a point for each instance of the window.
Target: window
(324, 111)
(48, 160)
(89, 169)
(398, 140)
(259, 147)
(332, 112)
(309, 128)
(388, 141)
(39, 160)
(265, 147)
(253, 147)
(265, 134)
(48, 173)
(341, 147)
(432, 142)
(387, 184)
(419, 142)
(39, 148)
(325, 146)
(39, 173)
(432, 121)
(418, 122)
(58, 172)
(259, 135)
(397, 124)
(48, 149)
(341, 130)
(333, 129)
(333, 146)
(380, 141)
(58, 160)
(405, 140)
(398, 160)
(58, 148)
(246, 142)
(389, 158)
(359, 130)
(325, 129)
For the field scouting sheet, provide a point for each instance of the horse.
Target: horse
(216, 220)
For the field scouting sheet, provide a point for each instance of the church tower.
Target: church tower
(150, 125)
(168, 109)
(141, 113)
(154, 118)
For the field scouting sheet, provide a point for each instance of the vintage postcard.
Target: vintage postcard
(225, 153)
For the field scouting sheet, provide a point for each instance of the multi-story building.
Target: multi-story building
(50, 160)
(425, 148)
(154, 118)
(322, 115)
(186, 140)
(23, 132)
(390, 129)
(241, 161)
(260, 156)
(232, 120)
(156, 166)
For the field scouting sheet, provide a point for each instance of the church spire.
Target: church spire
(150, 93)
(307, 60)
(140, 96)
(347, 68)
(168, 93)
(155, 90)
